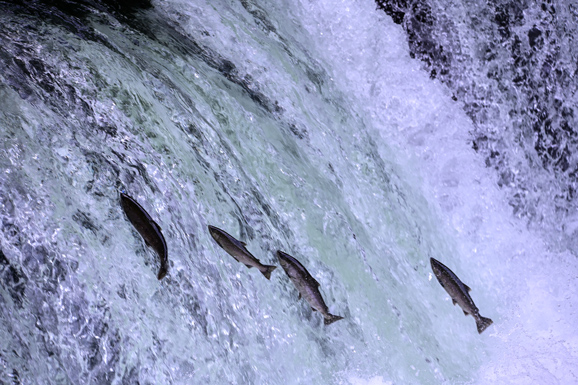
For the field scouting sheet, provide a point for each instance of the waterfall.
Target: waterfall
(307, 127)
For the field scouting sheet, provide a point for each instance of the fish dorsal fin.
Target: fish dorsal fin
(243, 243)
(454, 301)
(467, 288)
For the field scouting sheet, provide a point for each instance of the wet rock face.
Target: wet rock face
(420, 24)
(511, 66)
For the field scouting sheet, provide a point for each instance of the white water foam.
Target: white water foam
(529, 290)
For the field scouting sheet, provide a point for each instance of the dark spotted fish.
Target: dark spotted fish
(307, 286)
(459, 292)
(148, 229)
(237, 250)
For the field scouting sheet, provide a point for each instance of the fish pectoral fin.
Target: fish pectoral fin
(157, 226)
(467, 288)
(299, 296)
(454, 301)
(243, 243)
(313, 309)
(249, 266)
(466, 313)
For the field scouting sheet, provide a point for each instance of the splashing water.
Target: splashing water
(297, 126)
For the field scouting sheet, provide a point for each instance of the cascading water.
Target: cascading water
(512, 66)
(297, 126)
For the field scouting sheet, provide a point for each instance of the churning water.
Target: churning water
(304, 126)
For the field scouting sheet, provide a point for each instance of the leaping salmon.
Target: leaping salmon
(307, 286)
(238, 250)
(148, 229)
(459, 292)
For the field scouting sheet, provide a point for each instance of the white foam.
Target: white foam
(377, 380)
(527, 288)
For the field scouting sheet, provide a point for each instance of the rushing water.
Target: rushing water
(298, 126)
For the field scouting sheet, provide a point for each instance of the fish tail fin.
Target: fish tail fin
(162, 272)
(331, 318)
(267, 270)
(482, 323)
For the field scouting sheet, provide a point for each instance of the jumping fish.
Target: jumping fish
(148, 229)
(238, 250)
(459, 292)
(307, 286)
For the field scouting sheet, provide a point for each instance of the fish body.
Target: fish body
(238, 250)
(459, 292)
(306, 285)
(148, 229)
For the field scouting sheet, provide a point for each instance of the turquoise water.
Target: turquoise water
(304, 127)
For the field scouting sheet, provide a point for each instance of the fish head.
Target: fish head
(284, 259)
(216, 233)
(436, 266)
(124, 198)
